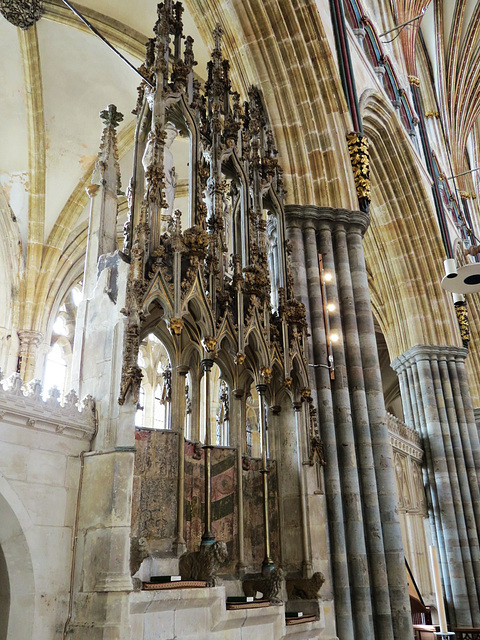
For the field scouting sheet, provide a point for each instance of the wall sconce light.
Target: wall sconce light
(328, 308)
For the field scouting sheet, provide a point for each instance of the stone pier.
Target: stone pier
(366, 547)
(437, 403)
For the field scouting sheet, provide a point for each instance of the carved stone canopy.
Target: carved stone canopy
(21, 13)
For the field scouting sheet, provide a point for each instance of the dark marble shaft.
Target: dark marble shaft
(367, 555)
(437, 402)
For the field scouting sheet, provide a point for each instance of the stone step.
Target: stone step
(201, 614)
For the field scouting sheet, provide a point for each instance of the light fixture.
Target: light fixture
(327, 276)
(462, 280)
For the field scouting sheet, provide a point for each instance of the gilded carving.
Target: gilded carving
(307, 394)
(266, 373)
(463, 323)
(239, 358)
(360, 159)
(176, 325)
(209, 343)
(196, 241)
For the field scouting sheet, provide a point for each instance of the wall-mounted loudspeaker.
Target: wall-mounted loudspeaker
(463, 280)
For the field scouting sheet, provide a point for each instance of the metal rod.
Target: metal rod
(97, 33)
(323, 291)
(267, 562)
(404, 24)
(464, 173)
(208, 537)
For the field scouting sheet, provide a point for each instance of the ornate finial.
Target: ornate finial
(111, 116)
(108, 146)
(21, 13)
(217, 35)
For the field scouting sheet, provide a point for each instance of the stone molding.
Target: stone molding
(308, 214)
(404, 438)
(23, 405)
(428, 352)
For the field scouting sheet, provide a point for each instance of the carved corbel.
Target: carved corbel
(175, 326)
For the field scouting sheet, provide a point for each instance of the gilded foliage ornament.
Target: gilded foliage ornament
(360, 159)
(209, 344)
(266, 373)
(176, 325)
(463, 323)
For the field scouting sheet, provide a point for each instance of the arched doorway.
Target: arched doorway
(4, 596)
(16, 570)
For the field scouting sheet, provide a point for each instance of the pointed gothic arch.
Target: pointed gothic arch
(15, 524)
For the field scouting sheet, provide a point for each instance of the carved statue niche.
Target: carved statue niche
(269, 584)
(305, 588)
(170, 173)
(203, 564)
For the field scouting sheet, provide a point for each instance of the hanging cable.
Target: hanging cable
(99, 35)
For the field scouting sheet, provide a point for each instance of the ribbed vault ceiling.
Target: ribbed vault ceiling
(451, 31)
(55, 79)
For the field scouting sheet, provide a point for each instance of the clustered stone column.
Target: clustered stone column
(437, 403)
(29, 343)
(367, 555)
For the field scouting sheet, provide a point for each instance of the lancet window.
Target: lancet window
(155, 395)
(58, 361)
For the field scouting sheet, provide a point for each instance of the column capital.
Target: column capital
(29, 337)
(207, 364)
(428, 352)
(311, 215)
(183, 369)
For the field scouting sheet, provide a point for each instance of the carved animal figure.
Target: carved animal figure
(305, 588)
(203, 564)
(269, 585)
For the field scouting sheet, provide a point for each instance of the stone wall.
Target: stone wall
(42, 444)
